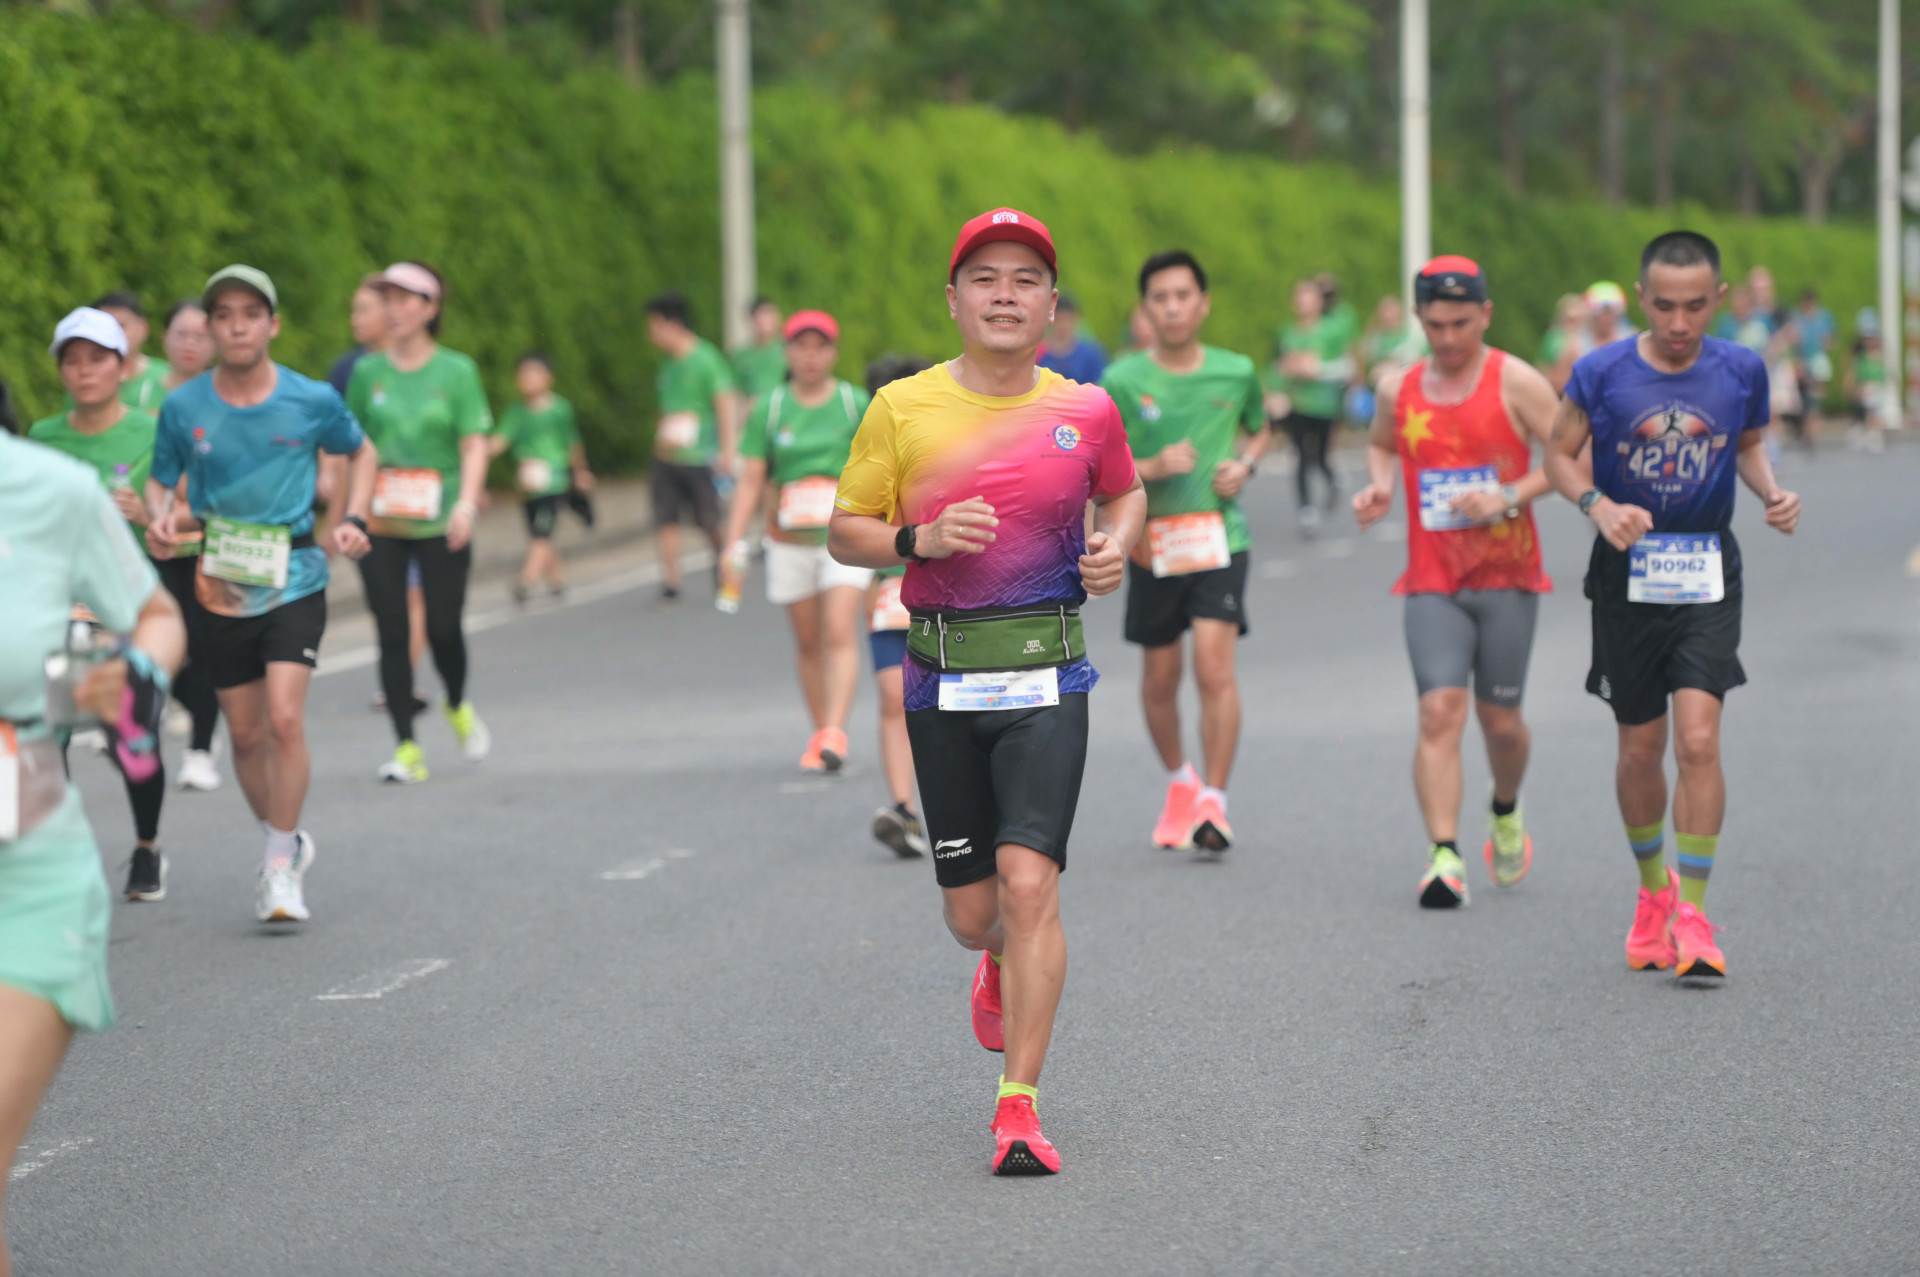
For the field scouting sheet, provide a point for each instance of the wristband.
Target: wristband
(903, 543)
(357, 522)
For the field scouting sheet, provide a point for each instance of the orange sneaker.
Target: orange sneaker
(1175, 830)
(833, 748)
(812, 761)
(1696, 953)
(1019, 1147)
(1650, 943)
(1211, 832)
(986, 1005)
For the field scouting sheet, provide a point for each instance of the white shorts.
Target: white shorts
(796, 572)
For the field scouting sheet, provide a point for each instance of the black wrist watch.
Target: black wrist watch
(357, 522)
(903, 542)
(1588, 499)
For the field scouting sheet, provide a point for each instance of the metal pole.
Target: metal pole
(1416, 193)
(737, 267)
(1893, 346)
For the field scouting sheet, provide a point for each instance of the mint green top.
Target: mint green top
(417, 420)
(691, 384)
(121, 455)
(548, 435)
(1210, 407)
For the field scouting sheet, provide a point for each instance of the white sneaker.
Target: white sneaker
(475, 740)
(177, 722)
(198, 771)
(279, 897)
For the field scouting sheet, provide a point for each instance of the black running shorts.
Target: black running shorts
(543, 515)
(238, 649)
(684, 494)
(998, 777)
(1162, 608)
(1644, 652)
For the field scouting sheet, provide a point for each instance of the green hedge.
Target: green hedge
(138, 153)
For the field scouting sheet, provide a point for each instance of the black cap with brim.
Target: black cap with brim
(1450, 279)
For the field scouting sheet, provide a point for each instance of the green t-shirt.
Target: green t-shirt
(416, 420)
(759, 369)
(548, 437)
(689, 385)
(1210, 407)
(1319, 396)
(798, 442)
(121, 454)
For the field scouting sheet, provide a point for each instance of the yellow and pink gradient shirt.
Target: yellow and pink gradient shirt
(927, 442)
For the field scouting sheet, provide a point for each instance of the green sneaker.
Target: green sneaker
(475, 739)
(1445, 883)
(1509, 850)
(407, 767)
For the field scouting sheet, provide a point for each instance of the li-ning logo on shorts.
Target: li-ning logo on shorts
(1606, 689)
(1066, 437)
(1034, 646)
(960, 847)
(1004, 217)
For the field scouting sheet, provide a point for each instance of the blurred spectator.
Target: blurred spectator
(1760, 286)
(1866, 386)
(1565, 341)
(1341, 317)
(1607, 314)
(1068, 351)
(1387, 345)
(1742, 323)
(1783, 380)
(1139, 331)
(367, 318)
(763, 365)
(1313, 370)
(1815, 329)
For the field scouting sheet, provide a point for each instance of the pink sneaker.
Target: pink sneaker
(1210, 828)
(986, 1005)
(1019, 1147)
(1697, 954)
(1175, 830)
(1650, 943)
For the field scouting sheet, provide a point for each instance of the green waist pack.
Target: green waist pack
(1003, 638)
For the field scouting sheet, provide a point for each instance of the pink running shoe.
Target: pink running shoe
(833, 748)
(1175, 830)
(811, 761)
(1650, 943)
(1698, 955)
(986, 1005)
(1019, 1147)
(1211, 832)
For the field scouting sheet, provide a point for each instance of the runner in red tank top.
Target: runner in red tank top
(1457, 424)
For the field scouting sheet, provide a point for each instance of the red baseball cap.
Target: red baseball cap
(1008, 224)
(818, 321)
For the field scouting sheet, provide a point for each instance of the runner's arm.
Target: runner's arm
(1531, 406)
(1756, 471)
(1117, 521)
(160, 533)
(361, 466)
(1621, 525)
(746, 499)
(725, 408)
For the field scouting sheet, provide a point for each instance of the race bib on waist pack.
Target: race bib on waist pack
(983, 690)
(679, 430)
(1676, 567)
(1438, 488)
(1183, 543)
(406, 494)
(806, 503)
(247, 553)
(536, 475)
(889, 613)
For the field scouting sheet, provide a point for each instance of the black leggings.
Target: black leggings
(1312, 438)
(192, 686)
(144, 796)
(443, 581)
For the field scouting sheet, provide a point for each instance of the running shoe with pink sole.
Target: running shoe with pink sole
(986, 1005)
(1650, 943)
(1696, 955)
(1174, 832)
(1019, 1147)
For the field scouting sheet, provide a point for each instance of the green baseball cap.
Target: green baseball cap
(248, 277)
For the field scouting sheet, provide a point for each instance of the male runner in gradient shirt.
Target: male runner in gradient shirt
(987, 463)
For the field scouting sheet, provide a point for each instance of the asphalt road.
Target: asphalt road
(635, 996)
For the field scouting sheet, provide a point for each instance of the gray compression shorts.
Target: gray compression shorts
(1485, 633)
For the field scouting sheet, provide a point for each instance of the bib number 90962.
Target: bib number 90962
(1676, 567)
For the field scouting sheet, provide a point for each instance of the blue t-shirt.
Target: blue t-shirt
(1084, 363)
(256, 465)
(1667, 442)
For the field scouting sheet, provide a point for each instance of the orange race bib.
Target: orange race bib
(406, 494)
(806, 503)
(889, 613)
(1183, 543)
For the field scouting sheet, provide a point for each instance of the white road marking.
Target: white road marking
(1340, 549)
(381, 983)
(646, 868)
(45, 1155)
(1280, 567)
(806, 786)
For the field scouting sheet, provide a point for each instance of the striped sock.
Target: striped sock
(1648, 842)
(1696, 862)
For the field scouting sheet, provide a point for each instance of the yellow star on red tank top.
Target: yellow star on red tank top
(1416, 431)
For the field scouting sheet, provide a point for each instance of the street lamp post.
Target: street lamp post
(737, 266)
(1892, 313)
(1416, 182)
